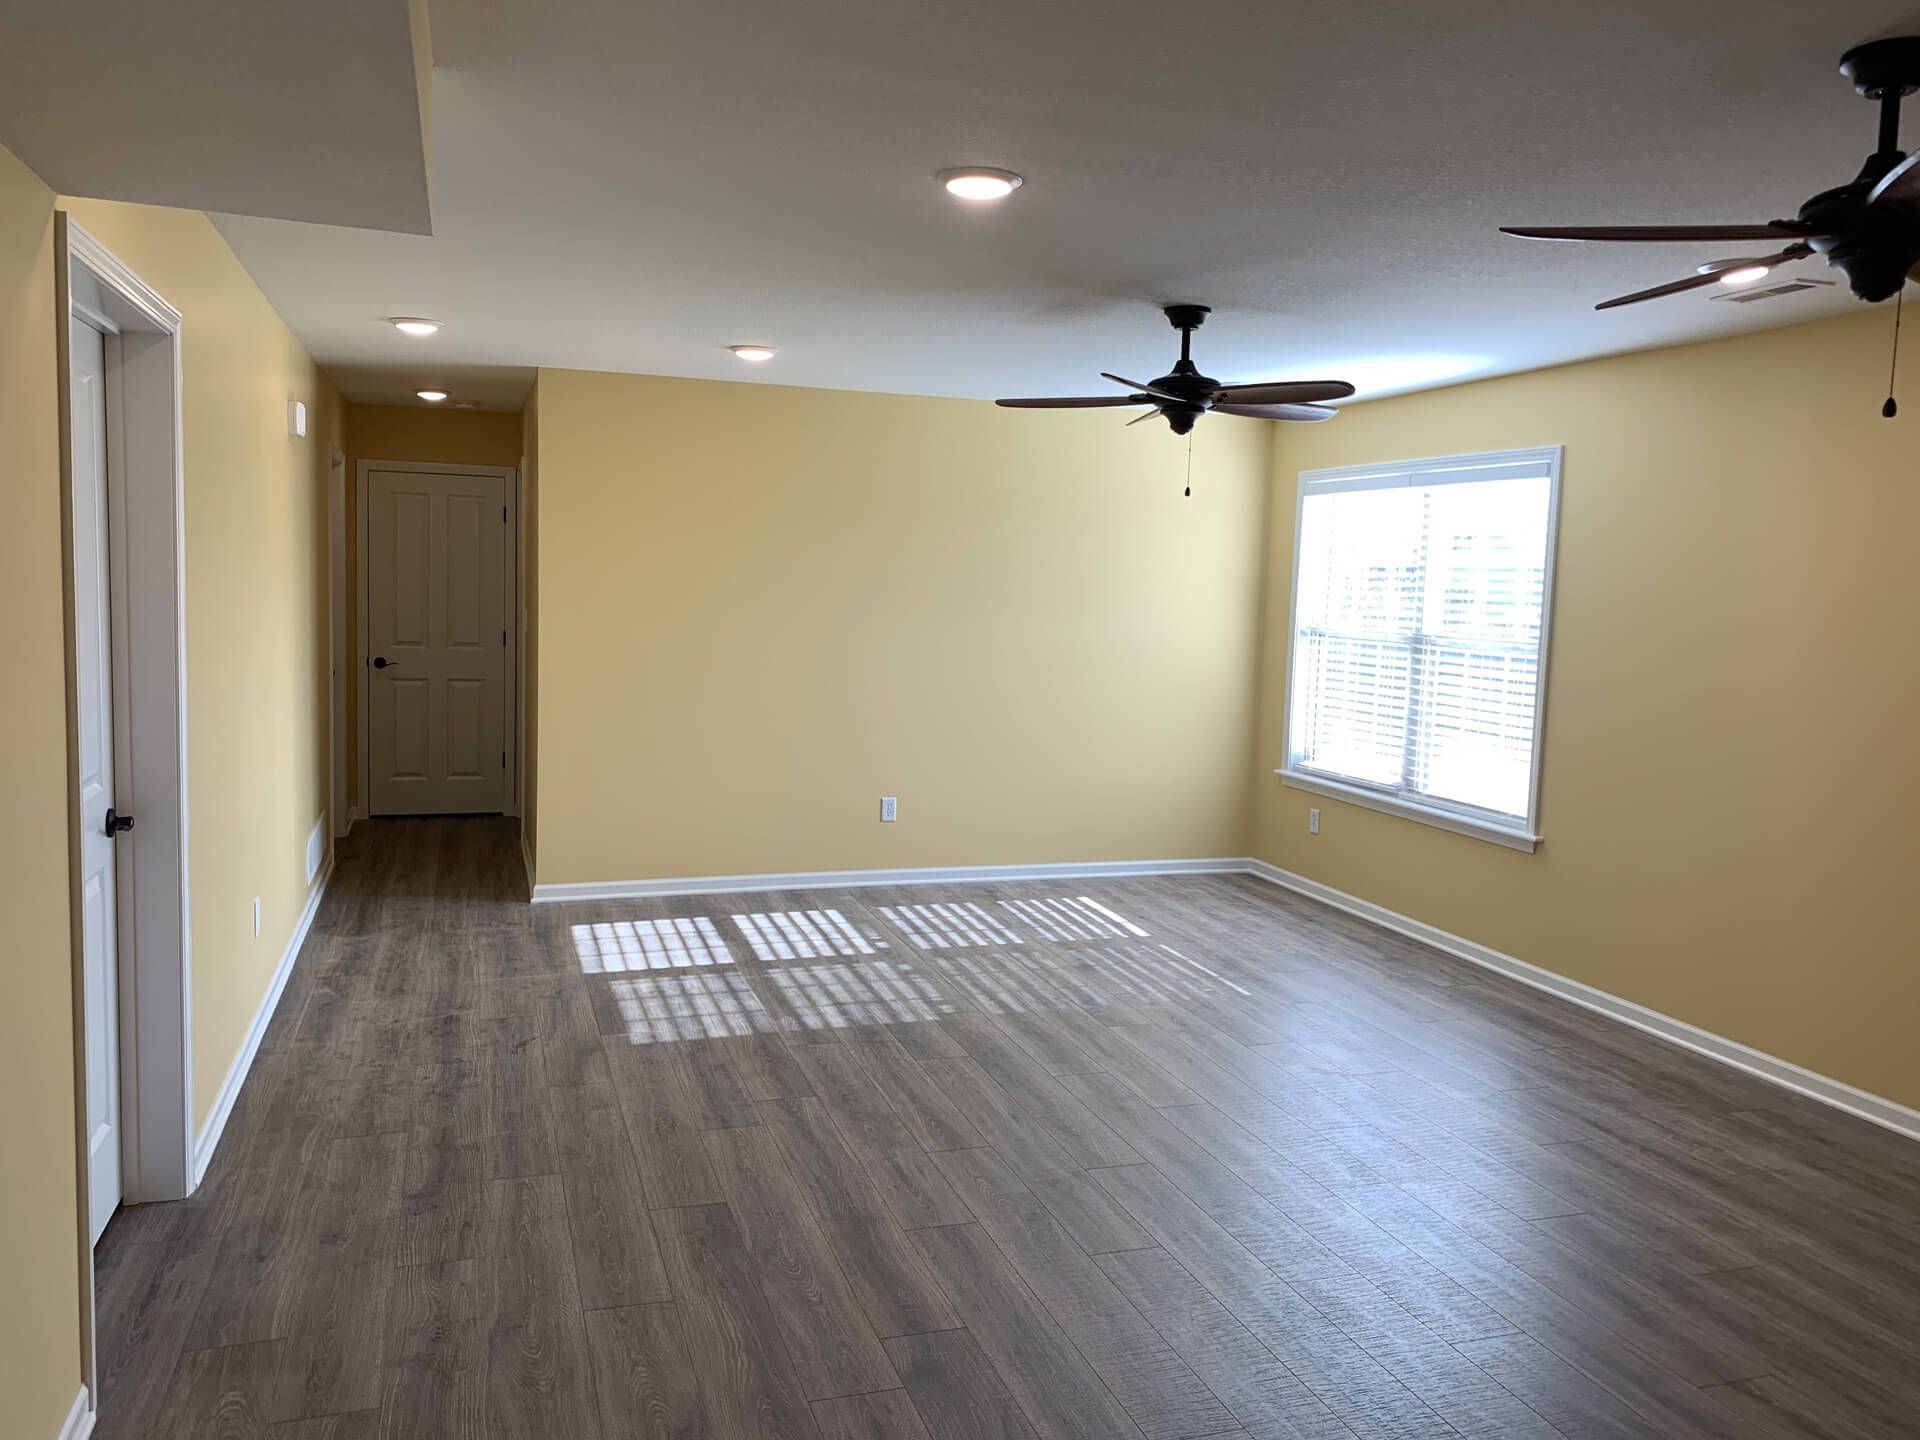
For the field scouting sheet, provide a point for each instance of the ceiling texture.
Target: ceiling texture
(273, 107)
(634, 187)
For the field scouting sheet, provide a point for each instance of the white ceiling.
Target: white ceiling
(273, 107)
(634, 187)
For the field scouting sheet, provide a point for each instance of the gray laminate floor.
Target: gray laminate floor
(1166, 1158)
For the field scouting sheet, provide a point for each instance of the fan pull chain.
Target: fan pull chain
(1892, 408)
(1189, 489)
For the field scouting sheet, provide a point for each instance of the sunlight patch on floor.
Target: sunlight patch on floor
(616, 946)
(832, 997)
(803, 935)
(690, 1005)
(1069, 919)
(949, 927)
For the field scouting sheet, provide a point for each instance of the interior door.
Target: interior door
(93, 685)
(436, 643)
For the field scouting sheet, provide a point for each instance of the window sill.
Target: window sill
(1513, 837)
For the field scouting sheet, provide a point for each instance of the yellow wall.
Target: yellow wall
(763, 608)
(424, 434)
(39, 1205)
(1730, 791)
(256, 581)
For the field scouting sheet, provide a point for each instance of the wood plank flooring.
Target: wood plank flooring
(1160, 1159)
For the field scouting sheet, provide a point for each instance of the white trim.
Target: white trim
(79, 1421)
(209, 1138)
(145, 431)
(510, 620)
(108, 268)
(526, 857)
(1459, 821)
(1784, 1073)
(1427, 471)
(519, 606)
(854, 879)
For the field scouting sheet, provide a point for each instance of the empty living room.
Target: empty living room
(921, 722)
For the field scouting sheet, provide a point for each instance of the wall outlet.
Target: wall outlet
(1313, 822)
(256, 915)
(889, 808)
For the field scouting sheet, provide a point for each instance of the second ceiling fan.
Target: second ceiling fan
(1868, 228)
(1183, 394)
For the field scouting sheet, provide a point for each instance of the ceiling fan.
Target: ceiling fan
(1183, 395)
(1868, 228)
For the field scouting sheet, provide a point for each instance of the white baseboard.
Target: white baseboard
(526, 859)
(209, 1138)
(79, 1419)
(1784, 1073)
(855, 879)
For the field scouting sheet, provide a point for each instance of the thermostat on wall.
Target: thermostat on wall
(297, 419)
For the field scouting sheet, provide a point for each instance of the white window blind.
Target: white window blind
(1420, 603)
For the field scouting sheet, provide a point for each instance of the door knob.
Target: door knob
(117, 822)
(380, 662)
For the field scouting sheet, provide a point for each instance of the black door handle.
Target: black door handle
(380, 662)
(117, 822)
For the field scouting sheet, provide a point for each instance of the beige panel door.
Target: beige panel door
(436, 643)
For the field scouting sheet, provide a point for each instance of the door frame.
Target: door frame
(509, 609)
(339, 656)
(146, 545)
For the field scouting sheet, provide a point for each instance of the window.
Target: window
(1421, 593)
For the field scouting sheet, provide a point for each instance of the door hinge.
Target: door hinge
(503, 514)
(503, 759)
(503, 637)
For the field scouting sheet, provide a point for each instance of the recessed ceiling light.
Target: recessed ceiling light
(414, 325)
(1744, 274)
(758, 354)
(432, 397)
(980, 182)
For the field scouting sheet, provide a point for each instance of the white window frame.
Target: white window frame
(1461, 819)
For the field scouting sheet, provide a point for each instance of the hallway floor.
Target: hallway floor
(1166, 1158)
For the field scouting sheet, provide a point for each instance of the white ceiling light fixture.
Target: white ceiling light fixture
(417, 326)
(755, 354)
(980, 182)
(432, 397)
(1744, 274)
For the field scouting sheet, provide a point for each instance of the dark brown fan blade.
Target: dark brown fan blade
(1694, 282)
(1138, 418)
(1278, 412)
(1900, 186)
(1071, 402)
(1773, 230)
(1136, 385)
(1285, 392)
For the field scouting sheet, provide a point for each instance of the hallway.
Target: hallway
(1175, 1157)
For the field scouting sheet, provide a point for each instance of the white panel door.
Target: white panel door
(93, 685)
(436, 643)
